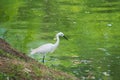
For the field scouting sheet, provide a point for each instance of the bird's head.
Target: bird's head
(62, 35)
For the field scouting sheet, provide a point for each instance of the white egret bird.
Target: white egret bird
(49, 47)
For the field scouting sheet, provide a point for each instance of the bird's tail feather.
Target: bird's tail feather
(31, 51)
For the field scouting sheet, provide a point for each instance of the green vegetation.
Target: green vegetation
(12, 68)
(92, 27)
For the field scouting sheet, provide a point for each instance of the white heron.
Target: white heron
(49, 47)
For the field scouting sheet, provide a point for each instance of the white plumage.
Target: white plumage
(49, 47)
(43, 48)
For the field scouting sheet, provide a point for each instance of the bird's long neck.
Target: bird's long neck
(58, 40)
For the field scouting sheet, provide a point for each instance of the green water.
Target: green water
(92, 26)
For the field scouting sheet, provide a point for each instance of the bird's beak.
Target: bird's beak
(65, 37)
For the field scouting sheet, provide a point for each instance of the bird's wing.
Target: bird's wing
(45, 48)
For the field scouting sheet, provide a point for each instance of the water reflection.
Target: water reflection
(104, 6)
(92, 26)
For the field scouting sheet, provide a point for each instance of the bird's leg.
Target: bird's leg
(43, 58)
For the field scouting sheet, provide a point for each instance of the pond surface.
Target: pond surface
(92, 26)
